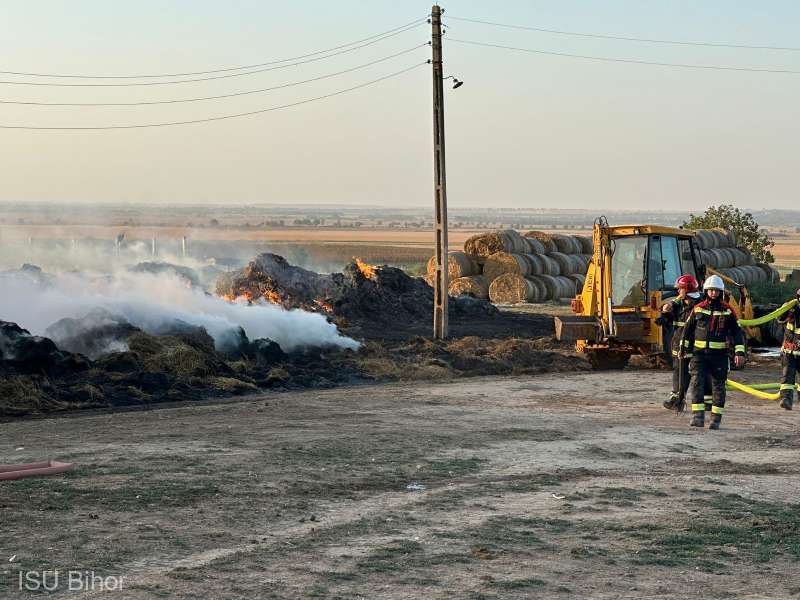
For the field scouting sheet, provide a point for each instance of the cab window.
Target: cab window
(628, 271)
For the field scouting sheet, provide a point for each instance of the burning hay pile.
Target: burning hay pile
(363, 300)
(149, 336)
(511, 268)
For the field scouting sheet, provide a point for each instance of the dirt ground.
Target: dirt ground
(549, 486)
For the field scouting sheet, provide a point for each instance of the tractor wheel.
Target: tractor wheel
(608, 360)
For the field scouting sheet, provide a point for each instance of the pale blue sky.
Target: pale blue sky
(525, 130)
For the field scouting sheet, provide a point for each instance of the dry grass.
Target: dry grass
(381, 368)
(20, 395)
(228, 385)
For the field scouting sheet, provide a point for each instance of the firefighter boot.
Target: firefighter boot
(672, 403)
(786, 398)
(715, 422)
(698, 419)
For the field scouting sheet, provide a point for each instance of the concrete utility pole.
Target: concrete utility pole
(439, 182)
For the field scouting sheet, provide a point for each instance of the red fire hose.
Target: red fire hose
(49, 467)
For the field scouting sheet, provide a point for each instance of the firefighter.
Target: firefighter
(790, 353)
(675, 312)
(706, 336)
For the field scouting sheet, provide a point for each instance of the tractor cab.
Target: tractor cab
(647, 264)
(633, 270)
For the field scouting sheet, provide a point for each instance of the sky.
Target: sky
(525, 130)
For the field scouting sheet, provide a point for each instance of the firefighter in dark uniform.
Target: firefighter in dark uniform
(790, 354)
(707, 334)
(675, 312)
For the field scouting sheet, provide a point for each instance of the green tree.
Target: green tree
(748, 232)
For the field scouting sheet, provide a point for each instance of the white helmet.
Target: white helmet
(714, 282)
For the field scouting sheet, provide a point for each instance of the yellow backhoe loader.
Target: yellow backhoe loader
(632, 273)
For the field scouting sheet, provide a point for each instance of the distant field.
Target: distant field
(398, 246)
(416, 237)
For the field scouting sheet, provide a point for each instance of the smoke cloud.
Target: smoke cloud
(152, 302)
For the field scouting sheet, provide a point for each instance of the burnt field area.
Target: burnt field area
(364, 324)
(553, 486)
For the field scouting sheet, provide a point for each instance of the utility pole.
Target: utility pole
(439, 182)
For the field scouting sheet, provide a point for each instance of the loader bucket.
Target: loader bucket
(573, 328)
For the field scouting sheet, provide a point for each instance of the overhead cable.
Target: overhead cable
(411, 25)
(214, 77)
(222, 117)
(232, 95)
(627, 60)
(628, 39)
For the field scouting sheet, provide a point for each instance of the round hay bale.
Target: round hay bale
(587, 245)
(545, 238)
(536, 265)
(699, 237)
(741, 257)
(565, 244)
(733, 240)
(721, 237)
(744, 275)
(760, 275)
(726, 258)
(564, 262)
(771, 274)
(568, 287)
(708, 259)
(459, 264)
(551, 267)
(474, 285)
(579, 280)
(505, 262)
(585, 260)
(732, 272)
(706, 238)
(552, 285)
(578, 264)
(541, 288)
(511, 288)
(534, 246)
(505, 240)
(733, 256)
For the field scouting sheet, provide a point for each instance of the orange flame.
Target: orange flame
(243, 297)
(367, 271)
(272, 296)
(326, 306)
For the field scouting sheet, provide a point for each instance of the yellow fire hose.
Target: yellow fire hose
(767, 318)
(756, 389)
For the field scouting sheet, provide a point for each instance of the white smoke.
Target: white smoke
(150, 302)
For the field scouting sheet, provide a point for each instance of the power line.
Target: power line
(232, 95)
(627, 60)
(221, 70)
(627, 39)
(212, 78)
(223, 117)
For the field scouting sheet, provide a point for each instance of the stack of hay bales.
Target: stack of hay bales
(507, 267)
(718, 249)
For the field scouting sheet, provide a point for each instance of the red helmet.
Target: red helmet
(688, 282)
